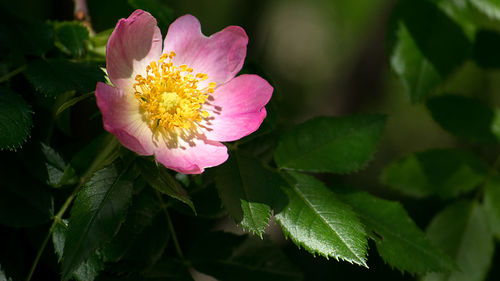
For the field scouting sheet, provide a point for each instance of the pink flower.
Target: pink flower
(180, 101)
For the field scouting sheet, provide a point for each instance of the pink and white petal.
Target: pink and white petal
(122, 118)
(220, 56)
(237, 108)
(191, 158)
(135, 42)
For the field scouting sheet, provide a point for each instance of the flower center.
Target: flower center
(169, 95)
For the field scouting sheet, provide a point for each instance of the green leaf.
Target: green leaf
(140, 215)
(399, 240)
(485, 48)
(440, 39)
(71, 37)
(99, 41)
(102, 151)
(491, 8)
(163, 14)
(15, 119)
(464, 117)
(69, 103)
(317, 220)
(54, 77)
(89, 269)
(57, 172)
(96, 215)
(230, 257)
(462, 231)
(442, 172)
(330, 144)
(160, 179)
(246, 191)
(492, 204)
(23, 202)
(417, 74)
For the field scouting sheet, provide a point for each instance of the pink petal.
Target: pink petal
(122, 118)
(237, 108)
(192, 156)
(220, 56)
(135, 42)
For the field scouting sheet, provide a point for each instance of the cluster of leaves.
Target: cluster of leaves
(132, 219)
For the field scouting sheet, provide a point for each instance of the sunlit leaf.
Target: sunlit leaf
(96, 215)
(396, 235)
(491, 8)
(317, 220)
(441, 172)
(330, 144)
(54, 77)
(229, 257)
(462, 231)
(464, 117)
(15, 119)
(71, 37)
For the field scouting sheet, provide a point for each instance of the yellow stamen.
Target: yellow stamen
(169, 95)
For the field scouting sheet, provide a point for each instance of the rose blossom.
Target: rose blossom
(180, 101)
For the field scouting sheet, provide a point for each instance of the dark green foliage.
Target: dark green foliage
(230, 257)
(160, 179)
(31, 38)
(23, 202)
(96, 215)
(438, 172)
(330, 144)
(71, 37)
(89, 269)
(248, 191)
(492, 204)
(465, 117)
(15, 119)
(54, 77)
(317, 220)
(417, 74)
(441, 40)
(485, 48)
(462, 231)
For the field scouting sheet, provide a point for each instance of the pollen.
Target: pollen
(170, 96)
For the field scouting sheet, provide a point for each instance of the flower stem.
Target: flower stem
(14, 72)
(170, 226)
(58, 217)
